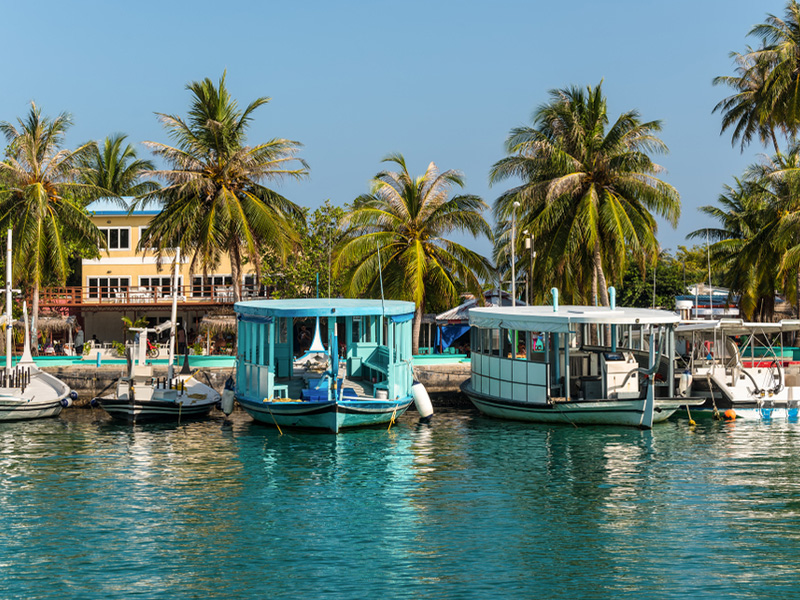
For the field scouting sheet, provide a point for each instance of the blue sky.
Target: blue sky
(354, 81)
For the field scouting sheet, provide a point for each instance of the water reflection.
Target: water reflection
(464, 507)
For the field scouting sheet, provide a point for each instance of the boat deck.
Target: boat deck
(300, 381)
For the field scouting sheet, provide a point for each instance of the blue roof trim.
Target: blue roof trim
(324, 307)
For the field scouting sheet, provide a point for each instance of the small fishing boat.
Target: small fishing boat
(27, 392)
(578, 365)
(741, 369)
(363, 377)
(140, 396)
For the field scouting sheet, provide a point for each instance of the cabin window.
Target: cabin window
(356, 337)
(369, 323)
(283, 331)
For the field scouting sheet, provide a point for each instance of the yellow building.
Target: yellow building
(124, 282)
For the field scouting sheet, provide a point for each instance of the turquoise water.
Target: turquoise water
(465, 508)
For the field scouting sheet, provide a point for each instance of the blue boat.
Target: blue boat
(362, 377)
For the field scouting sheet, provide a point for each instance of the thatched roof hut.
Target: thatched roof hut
(220, 323)
(51, 323)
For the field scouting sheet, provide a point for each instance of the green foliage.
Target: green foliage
(295, 277)
(766, 86)
(43, 202)
(756, 246)
(127, 323)
(588, 195)
(395, 240)
(214, 200)
(671, 279)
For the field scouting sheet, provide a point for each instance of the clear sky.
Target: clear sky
(440, 81)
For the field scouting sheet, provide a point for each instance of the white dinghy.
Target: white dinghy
(26, 392)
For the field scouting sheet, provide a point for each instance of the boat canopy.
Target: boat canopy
(396, 310)
(545, 318)
(733, 327)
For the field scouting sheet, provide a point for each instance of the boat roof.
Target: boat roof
(738, 326)
(324, 307)
(544, 318)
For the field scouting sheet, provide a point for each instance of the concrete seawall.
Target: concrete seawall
(442, 381)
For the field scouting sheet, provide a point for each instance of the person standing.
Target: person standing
(79, 340)
(181, 340)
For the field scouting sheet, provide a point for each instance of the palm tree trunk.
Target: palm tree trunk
(236, 269)
(35, 320)
(601, 277)
(417, 325)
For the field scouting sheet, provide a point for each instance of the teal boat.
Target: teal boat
(362, 376)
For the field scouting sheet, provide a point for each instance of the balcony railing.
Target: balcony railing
(142, 295)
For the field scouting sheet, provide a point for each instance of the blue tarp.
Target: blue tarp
(447, 334)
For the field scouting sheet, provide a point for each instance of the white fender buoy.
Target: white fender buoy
(422, 401)
(685, 382)
(227, 402)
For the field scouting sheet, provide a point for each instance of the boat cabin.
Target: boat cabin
(542, 354)
(366, 351)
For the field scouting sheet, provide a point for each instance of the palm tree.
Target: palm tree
(588, 193)
(214, 202)
(757, 243)
(43, 203)
(394, 236)
(747, 110)
(779, 57)
(117, 169)
(743, 245)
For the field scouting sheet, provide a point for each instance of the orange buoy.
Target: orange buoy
(730, 414)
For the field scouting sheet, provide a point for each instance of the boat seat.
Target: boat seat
(381, 385)
(280, 391)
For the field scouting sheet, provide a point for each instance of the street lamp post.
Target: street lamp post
(513, 257)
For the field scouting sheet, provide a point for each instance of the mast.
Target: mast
(8, 304)
(174, 317)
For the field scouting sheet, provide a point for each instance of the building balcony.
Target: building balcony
(133, 297)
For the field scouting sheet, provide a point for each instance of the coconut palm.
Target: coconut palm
(743, 245)
(116, 168)
(587, 192)
(42, 201)
(397, 231)
(779, 57)
(214, 200)
(757, 243)
(747, 111)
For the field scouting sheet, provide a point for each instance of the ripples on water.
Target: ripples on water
(467, 507)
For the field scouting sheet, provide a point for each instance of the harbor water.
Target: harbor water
(466, 507)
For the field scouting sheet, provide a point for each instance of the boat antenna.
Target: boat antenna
(710, 288)
(380, 276)
(173, 327)
(9, 323)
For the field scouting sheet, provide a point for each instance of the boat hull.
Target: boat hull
(629, 413)
(158, 404)
(133, 411)
(15, 409)
(331, 415)
(41, 399)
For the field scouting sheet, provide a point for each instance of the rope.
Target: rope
(274, 421)
(715, 412)
(391, 421)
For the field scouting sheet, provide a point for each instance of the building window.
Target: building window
(117, 238)
(162, 286)
(216, 286)
(108, 287)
